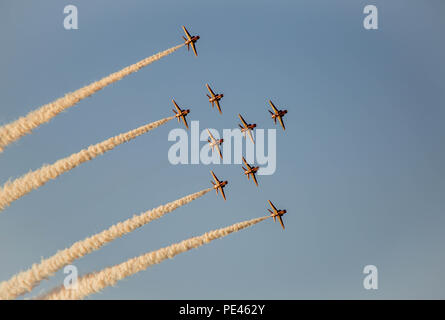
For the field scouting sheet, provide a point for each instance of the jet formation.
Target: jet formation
(245, 127)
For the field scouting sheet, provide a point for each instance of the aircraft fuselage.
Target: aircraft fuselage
(183, 113)
(192, 39)
(249, 127)
(216, 142)
(220, 185)
(278, 213)
(279, 114)
(251, 171)
(216, 98)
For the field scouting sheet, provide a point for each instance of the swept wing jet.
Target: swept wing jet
(190, 40)
(250, 171)
(246, 127)
(214, 98)
(219, 185)
(277, 114)
(276, 213)
(215, 143)
(180, 114)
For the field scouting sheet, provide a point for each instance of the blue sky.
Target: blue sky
(359, 167)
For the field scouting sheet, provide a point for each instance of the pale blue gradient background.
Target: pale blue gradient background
(360, 166)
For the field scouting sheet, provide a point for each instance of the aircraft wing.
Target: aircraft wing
(185, 121)
(222, 192)
(194, 48)
(210, 90)
(247, 165)
(177, 107)
(249, 132)
(254, 179)
(214, 177)
(210, 135)
(218, 106)
(273, 107)
(281, 221)
(242, 120)
(186, 32)
(281, 122)
(219, 150)
(271, 204)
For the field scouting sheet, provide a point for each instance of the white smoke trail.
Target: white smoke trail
(16, 189)
(95, 282)
(24, 125)
(25, 281)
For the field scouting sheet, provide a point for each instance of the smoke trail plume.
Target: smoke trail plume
(95, 282)
(25, 281)
(16, 189)
(24, 125)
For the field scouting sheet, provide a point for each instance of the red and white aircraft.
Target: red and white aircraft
(180, 114)
(219, 185)
(214, 98)
(190, 41)
(277, 114)
(215, 143)
(246, 127)
(250, 171)
(276, 213)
